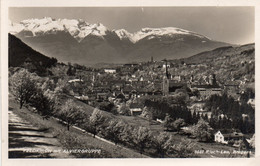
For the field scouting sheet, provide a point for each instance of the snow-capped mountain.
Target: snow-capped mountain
(124, 34)
(170, 31)
(79, 29)
(79, 41)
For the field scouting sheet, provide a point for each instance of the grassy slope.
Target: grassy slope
(73, 139)
(155, 127)
(78, 140)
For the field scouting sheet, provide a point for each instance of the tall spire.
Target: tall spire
(165, 85)
(166, 69)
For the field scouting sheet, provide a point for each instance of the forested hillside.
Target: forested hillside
(19, 52)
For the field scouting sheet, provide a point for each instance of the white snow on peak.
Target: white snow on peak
(144, 32)
(15, 28)
(79, 29)
(124, 34)
(93, 29)
(70, 25)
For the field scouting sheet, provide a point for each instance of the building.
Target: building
(209, 89)
(166, 81)
(110, 71)
(170, 86)
(166, 65)
(135, 109)
(227, 137)
(75, 80)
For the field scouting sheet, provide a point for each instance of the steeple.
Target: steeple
(166, 69)
(165, 85)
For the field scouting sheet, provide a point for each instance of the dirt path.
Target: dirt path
(27, 141)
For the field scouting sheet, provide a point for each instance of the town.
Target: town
(165, 95)
(201, 105)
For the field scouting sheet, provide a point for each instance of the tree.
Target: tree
(23, 86)
(107, 106)
(43, 104)
(177, 124)
(124, 109)
(71, 70)
(127, 134)
(71, 113)
(142, 138)
(182, 149)
(95, 120)
(167, 123)
(161, 143)
(114, 130)
(252, 142)
(202, 130)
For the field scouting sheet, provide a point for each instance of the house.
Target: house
(207, 90)
(135, 109)
(120, 98)
(166, 65)
(110, 71)
(227, 137)
(251, 102)
(75, 80)
(174, 86)
(101, 96)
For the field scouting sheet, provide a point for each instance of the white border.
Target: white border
(103, 3)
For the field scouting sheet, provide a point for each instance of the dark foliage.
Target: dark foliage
(19, 53)
(160, 109)
(234, 114)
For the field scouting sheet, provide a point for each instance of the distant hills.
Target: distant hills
(223, 53)
(232, 65)
(80, 42)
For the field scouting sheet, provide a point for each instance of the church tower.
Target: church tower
(165, 86)
(212, 79)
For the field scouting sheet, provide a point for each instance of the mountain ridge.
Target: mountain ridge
(80, 29)
(19, 52)
(84, 43)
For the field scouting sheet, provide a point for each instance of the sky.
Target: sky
(227, 24)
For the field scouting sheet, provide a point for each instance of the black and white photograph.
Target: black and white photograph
(131, 82)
